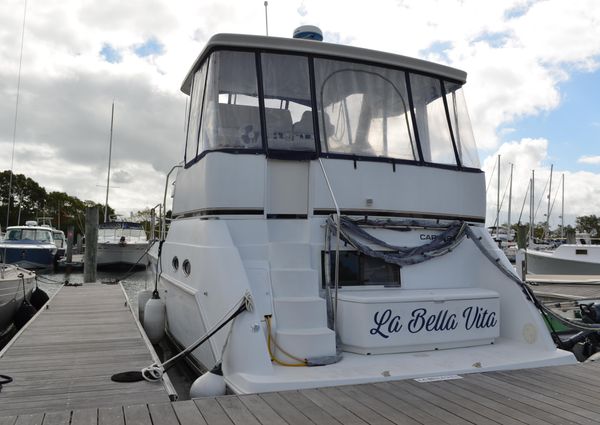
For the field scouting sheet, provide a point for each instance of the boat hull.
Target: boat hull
(122, 254)
(11, 293)
(29, 256)
(549, 263)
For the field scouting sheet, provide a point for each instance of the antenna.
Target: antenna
(266, 18)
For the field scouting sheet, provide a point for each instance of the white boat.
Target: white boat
(122, 243)
(287, 137)
(15, 282)
(29, 246)
(579, 258)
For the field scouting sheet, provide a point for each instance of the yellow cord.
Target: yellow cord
(302, 362)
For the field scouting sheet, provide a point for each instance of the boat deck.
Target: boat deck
(551, 395)
(64, 357)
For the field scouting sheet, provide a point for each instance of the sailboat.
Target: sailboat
(120, 242)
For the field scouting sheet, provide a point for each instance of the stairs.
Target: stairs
(300, 315)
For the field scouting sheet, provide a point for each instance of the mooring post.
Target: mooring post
(70, 234)
(79, 243)
(91, 244)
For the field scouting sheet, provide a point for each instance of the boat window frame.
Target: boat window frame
(318, 153)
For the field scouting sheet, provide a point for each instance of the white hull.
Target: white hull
(222, 255)
(128, 254)
(11, 292)
(565, 260)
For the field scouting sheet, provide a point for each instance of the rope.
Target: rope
(131, 270)
(4, 379)
(155, 371)
(530, 294)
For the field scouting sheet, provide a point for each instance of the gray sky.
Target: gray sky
(80, 55)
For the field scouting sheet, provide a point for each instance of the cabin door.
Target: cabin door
(287, 188)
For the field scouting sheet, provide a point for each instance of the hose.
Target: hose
(301, 362)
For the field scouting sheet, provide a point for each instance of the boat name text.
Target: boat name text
(472, 317)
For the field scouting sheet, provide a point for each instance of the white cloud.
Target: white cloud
(582, 188)
(589, 160)
(516, 53)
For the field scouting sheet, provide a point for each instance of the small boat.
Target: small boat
(339, 190)
(122, 243)
(579, 258)
(60, 241)
(15, 283)
(30, 246)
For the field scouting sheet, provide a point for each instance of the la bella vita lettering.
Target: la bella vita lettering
(472, 317)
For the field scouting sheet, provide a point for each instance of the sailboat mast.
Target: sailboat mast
(509, 202)
(549, 193)
(112, 115)
(498, 201)
(562, 214)
(531, 206)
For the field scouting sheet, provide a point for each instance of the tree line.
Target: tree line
(30, 201)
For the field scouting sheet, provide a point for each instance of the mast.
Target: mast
(549, 192)
(531, 205)
(498, 201)
(509, 202)
(562, 214)
(112, 114)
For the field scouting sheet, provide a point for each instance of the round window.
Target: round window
(186, 267)
(175, 263)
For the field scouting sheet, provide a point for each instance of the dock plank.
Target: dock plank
(187, 413)
(85, 417)
(162, 414)
(261, 410)
(64, 358)
(57, 418)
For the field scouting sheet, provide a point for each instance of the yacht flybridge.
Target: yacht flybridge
(339, 190)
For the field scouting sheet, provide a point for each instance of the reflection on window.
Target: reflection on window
(191, 149)
(432, 124)
(357, 269)
(363, 110)
(461, 125)
(287, 102)
(231, 116)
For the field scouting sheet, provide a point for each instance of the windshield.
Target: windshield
(29, 235)
(275, 101)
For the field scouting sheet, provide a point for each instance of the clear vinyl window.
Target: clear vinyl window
(363, 110)
(231, 117)
(288, 112)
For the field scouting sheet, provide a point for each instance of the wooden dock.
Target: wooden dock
(64, 358)
(553, 395)
(62, 363)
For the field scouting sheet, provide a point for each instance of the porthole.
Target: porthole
(186, 267)
(175, 263)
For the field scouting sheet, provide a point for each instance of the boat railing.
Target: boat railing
(163, 222)
(337, 246)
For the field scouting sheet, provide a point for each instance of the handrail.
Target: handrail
(163, 223)
(337, 245)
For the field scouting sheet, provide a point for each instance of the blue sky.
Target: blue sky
(572, 129)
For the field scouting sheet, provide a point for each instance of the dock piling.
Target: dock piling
(91, 244)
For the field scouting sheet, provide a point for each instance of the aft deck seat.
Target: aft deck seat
(238, 126)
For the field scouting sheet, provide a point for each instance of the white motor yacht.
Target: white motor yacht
(579, 258)
(122, 243)
(339, 189)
